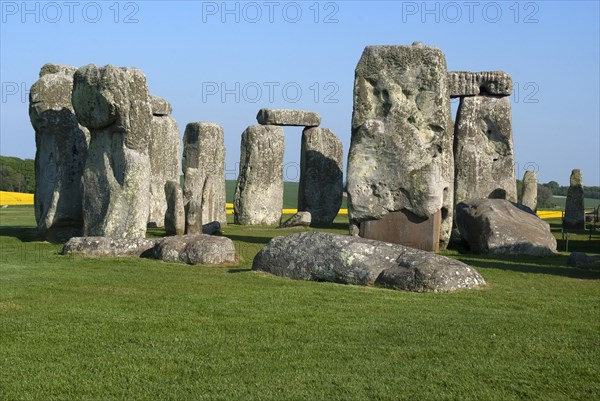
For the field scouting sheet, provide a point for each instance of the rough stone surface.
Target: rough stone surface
(321, 185)
(316, 256)
(498, 226)
(61, 150)
(175, 213)
(401, 149)
(196, 249)
(113, 103)
(204, 169)
(575, 207)
(212, 228)
(193, 217)
(300, 219)
(297, 118)
(106, 246)
(160, 106)
(483, 150)
(529, 190)
(462, 83)
(259, 192)
(583, 261)
(165, 163)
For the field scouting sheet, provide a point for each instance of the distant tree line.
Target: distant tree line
(17, 175)
(589, 192)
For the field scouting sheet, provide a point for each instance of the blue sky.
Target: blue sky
(222, 62)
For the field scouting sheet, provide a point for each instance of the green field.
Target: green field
(138, 329)
(589, 203)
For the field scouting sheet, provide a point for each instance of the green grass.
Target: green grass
(588, 203)
(137, 329)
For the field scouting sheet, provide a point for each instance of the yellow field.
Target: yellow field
(15, 198)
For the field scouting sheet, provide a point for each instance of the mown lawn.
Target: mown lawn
(137, 329)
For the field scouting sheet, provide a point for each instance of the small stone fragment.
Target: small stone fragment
(300, 219)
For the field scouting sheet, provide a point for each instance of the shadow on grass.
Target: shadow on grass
(249, 239)
(246, 270)
(24, 234)
(553, 265)
(336, 226)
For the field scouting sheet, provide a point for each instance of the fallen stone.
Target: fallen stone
(462, 83)
(196, 249)
(204, 169)
(258, 195)
(400, 155)
(108, 247)
(321, 186)
(583, 261)
(113, 103)
(300, 219)
(175, 213)
(61, 151)
(298, 118)
(529, 190)
(212, 228)
(317, 256)
(483, 150)
(497, 226)
(575, 205)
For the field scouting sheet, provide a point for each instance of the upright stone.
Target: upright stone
(259, 193)
(483, 150)
(165, 158)
(175, 214)
(400, 164)
(114, 104)
(204, 169)
(529, 190)
(574, 208)
(297, 118)
(60, 156)
(321, 180)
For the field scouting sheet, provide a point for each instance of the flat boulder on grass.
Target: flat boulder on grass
(498, 226)
(108, 247)
(196, 249)
(317, 256)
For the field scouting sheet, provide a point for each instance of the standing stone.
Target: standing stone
(114, 104)
(321, 185)
(529, 190)
(193, 217)
(204, 170)
(400, 164)
(574, 207)
(60, 156)
(175, 214)
(165, 158)
(483, 150)
(259, 193)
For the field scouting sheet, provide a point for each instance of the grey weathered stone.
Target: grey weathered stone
(160, 106)
(300, 219)
(583, 261)
(204, 169)
(401, 150)
(212, 228)
(193, 217)
(175, 213)
(259, 193)
(298, 118)
(529, 190)
(61, 150)
(164, 150)
(483, 150)
(113, 103)
(317, 256)
(463, 83)
(321, 185)
(196, 249)
(575, 206)
(498, 226)
(108, 247)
